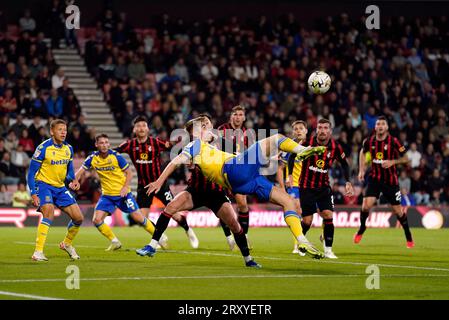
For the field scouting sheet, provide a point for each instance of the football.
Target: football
(319, 82)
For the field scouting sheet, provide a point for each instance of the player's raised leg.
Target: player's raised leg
(279, 142)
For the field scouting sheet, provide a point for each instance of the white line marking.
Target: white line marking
(29, 296)
(303, 260)
(231, 277)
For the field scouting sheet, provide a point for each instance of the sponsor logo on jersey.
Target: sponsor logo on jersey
(144, 156)
(60, 162)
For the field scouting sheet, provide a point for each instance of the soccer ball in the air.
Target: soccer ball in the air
(319, 82)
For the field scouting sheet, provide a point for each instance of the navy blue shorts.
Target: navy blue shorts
(243, 173)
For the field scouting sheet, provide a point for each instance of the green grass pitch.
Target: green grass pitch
(213, 272)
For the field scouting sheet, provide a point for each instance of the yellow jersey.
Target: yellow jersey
(296, 171)
(209, 159)
(54, 162)
(110, 170)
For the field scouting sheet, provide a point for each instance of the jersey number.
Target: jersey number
(168, 196)
(130, 204)
(398, 196)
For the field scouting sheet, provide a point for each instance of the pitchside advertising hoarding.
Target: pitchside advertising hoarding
(260, 216)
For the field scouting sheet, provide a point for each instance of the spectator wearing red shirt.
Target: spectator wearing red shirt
(8, 103)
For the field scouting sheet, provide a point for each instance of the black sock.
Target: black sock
(183, 223)
(225, 228)
(244, 220)
(328, 232)
(404, 224)
(240, 240)
(161, 225)
(363, 217)
(305, 227)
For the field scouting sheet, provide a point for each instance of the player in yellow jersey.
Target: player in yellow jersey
(292, 170)
(239, 173)
(115, 177)
(50, 168)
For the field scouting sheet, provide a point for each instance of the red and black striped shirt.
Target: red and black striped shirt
(241, 138)
(145, 157)
(380, 150)
(200, 183)
(315, 169)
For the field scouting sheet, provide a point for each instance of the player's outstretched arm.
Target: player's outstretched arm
(169, 169)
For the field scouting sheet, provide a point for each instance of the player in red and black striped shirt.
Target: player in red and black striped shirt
(235, 131)
(145, 152)
(314, 183)
(386, 152)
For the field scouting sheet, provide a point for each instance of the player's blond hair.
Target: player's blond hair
(54, 123)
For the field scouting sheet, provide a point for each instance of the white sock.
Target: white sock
(115, 240)
(248, 258)
(154, 243)
(302, 239)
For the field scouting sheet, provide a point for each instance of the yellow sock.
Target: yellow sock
(106, 230)
(288, 145)
(72, 231)
(148, 226)
(292, 220)
(42, 231)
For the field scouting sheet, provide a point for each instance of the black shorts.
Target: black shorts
(391, 193)
(212, 199)
(314, 199)
(145, 201)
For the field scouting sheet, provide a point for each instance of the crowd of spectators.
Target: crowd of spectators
(33, 91)
(176, 69)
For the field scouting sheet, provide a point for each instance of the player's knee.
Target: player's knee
(327, 215)
(78, 220)
(97, 220)
(171, 209)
